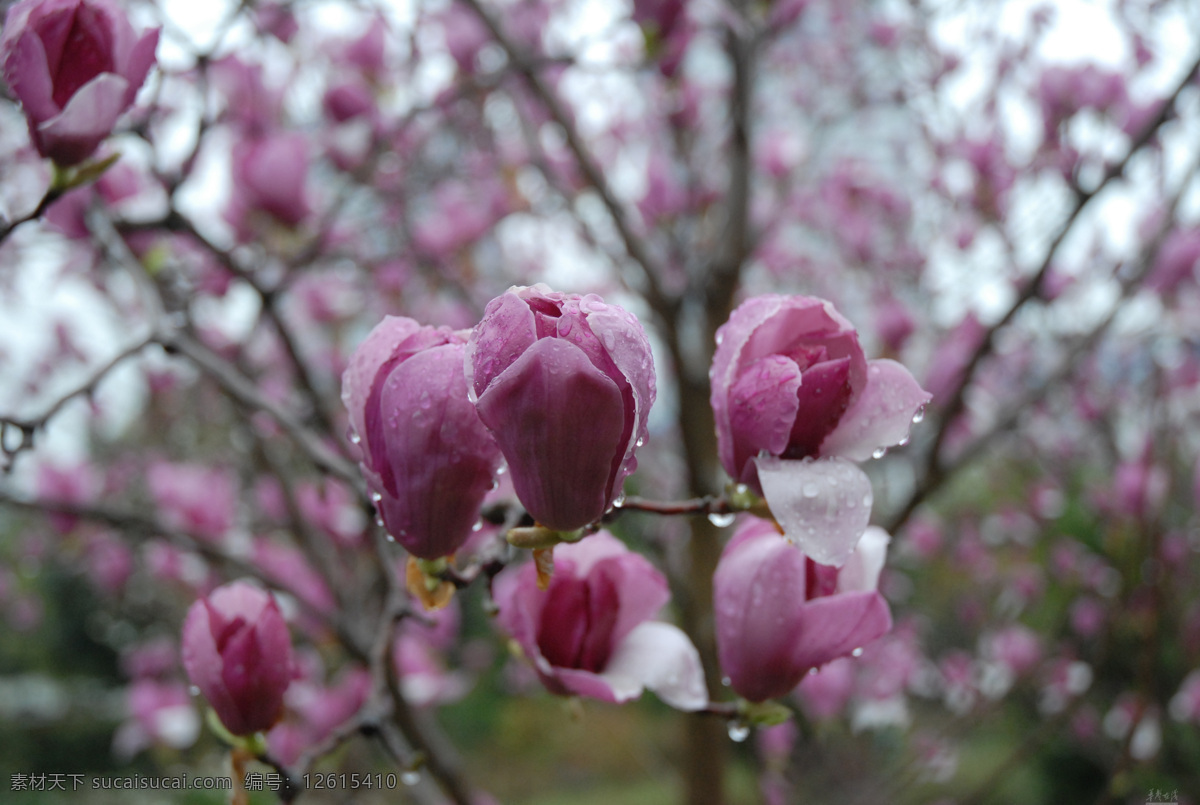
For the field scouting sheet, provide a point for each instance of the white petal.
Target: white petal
(823, 505)
(861, 573)
(659, 656)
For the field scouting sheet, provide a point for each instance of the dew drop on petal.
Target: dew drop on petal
(355, 438)
(918, 415)
(503, 468)
(726, 681)
(879, 452)
(640, 441)
(379, 521)
(194, 690)
(858, 652)
(903, 441)
(811, 490)
(812, 671)
(619, 500)
(376, 497)
(410, 777)
(722, 520)
(390, 538)
(738, 731)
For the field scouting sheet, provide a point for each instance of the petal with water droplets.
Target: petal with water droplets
(881, 416)
(826, 526)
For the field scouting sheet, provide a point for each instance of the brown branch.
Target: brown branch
(932, 478)
(7, 227)
(633, 244)
(28, 428)
(247, 393)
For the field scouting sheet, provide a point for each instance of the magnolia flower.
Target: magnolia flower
(269, 177)
(779, 614)
(565, 384)
(796, 402)
(590, 633)
(75, 66)
(237, 650)
(427, 458)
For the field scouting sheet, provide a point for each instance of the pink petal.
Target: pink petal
(881, 416)
(763, 405)
(87, 120)
(823, 505)
(558, 420)
(759, 594)
(836, 625)
(441, 458)
(137, 66)
(28, 75)
(506, 331)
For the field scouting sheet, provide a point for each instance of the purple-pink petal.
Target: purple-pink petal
(86, 120)
(536, 409)
(836, 625)
(881, 416)
(438, 454)
(763, 403)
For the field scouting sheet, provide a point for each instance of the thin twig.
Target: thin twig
(29, 428)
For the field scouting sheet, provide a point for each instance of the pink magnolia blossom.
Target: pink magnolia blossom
(269, 178)
(237, 650)
(825, 693)
(565, 384)
(427, 457)
(590, 633)
(76, 66)
(1015, 647)
(194, 498)
(75, 484)
(779, 614)
(796, 402)
(316, 708)
(160, 713)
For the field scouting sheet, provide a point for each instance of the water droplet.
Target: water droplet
(741, 489)
(918, 415)
(720, 337)
(478, 525)
(738, 731)
(640, 441)
(857, 652)
(424, 401)
(410, 777)
(867, 499)
(879, 452)
(811, 490)
(903, 441)
(376, 497)
(564, 325)
(722, 520)
(726, 681)
(194, 690)
(379, 521)
(812, 671)
(502, 469)
(355, 438)
(390, 538)
(619, 500)
(495, 483)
